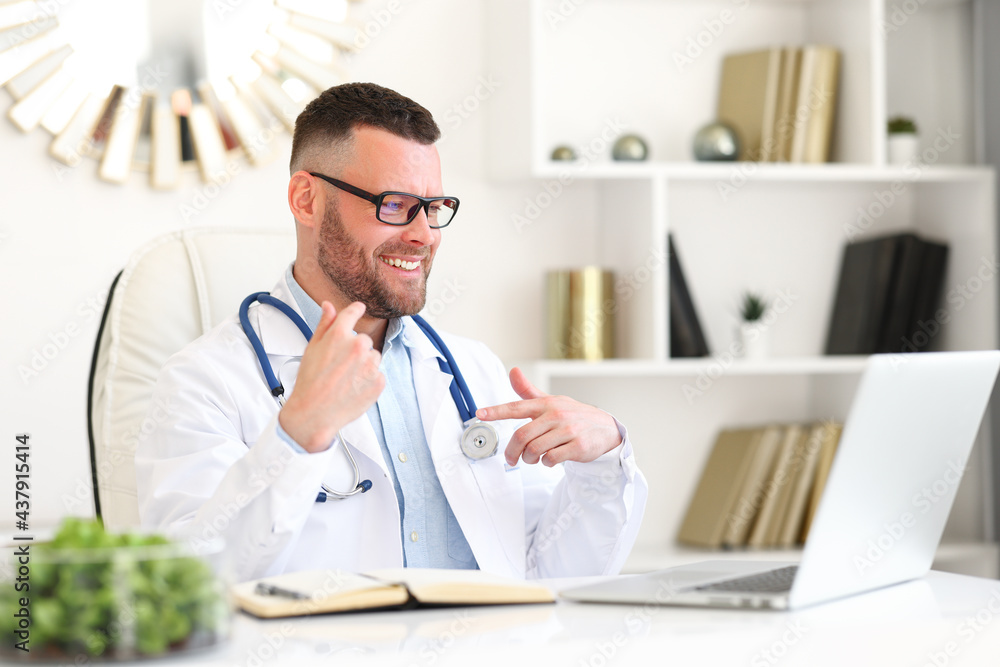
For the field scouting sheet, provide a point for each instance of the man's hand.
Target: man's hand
(337, 382)
(561, 429)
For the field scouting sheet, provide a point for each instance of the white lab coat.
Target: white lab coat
(214, 465)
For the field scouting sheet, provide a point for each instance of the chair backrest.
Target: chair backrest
(171, 291)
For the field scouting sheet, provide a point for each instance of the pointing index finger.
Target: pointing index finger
(526, 409)
(348, 317)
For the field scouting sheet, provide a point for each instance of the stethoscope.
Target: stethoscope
(479, 440)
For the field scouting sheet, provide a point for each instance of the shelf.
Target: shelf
(782, 235)
(776, 172)
(627, 368)
(564, 91)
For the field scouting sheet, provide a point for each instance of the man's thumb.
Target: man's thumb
(522, 386)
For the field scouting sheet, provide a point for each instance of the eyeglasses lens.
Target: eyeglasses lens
(400, 209)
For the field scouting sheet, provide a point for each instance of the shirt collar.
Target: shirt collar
(393, 332)
(311, 312)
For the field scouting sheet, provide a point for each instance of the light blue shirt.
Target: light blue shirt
(428, 527)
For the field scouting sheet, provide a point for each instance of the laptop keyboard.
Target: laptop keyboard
(772, 581)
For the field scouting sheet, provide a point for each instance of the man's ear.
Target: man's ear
(306, 199)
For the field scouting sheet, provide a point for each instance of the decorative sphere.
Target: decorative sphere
(630, 147)
(716, 142)
(563, 153)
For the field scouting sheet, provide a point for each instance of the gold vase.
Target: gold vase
(581, 310)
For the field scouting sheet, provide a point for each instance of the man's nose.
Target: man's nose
(419, 230)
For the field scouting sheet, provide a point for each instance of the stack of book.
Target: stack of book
(761, 486)
(781, 102)
(888, 295)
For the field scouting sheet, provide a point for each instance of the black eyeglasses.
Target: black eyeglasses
(400, 208)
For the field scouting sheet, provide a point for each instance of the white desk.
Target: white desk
(944, 619)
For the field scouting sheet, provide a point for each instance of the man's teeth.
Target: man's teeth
(409, 266)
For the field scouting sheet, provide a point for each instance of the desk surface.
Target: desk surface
(943, 619)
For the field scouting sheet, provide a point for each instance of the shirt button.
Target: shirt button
(402, 457)
(413, 536)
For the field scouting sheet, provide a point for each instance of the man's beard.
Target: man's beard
(356, 275)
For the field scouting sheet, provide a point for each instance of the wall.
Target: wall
(64, 235)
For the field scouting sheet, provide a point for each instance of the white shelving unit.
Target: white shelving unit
(574, 70)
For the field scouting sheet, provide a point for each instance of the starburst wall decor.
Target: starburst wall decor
(168, 86)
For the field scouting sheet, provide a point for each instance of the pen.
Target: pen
(270, 589)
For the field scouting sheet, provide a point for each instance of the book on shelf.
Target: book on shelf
(751, 491)
(824, 461)
(330, 591)
(785, 116)
(781, 102)
(862, 294)
(808, 479)
(906, 270)
(716, 494)
(748, 99)
(686, 336)
(737, 463)
(775, 495)
(758, 486)
(927, 296)
(816, 104)
(887, 295)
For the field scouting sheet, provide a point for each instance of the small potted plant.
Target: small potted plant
(903, 141)
(752, 332)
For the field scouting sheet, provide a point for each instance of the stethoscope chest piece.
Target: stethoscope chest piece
(480, 439)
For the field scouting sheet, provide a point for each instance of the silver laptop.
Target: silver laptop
(905, 443)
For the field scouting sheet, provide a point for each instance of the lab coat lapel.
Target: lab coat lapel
(431, 384)
(278, 334)
(360, 435)
(471, 487)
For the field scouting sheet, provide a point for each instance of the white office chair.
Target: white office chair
(171, 291)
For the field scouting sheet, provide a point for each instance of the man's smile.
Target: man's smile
(399, 263)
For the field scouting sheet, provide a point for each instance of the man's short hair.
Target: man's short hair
(327, 123)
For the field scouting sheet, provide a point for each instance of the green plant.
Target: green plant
(94, 593)
(902, 125)
(752, 307)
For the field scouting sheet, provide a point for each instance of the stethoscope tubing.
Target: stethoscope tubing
(461, 393)
(459, 389)
(278, 391)
(265, 297)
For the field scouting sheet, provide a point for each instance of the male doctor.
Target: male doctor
(562, 497)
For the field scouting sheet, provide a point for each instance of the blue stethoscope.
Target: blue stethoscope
(479, 440)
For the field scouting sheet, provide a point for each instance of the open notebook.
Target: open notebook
(328, 591)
